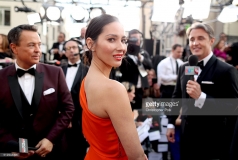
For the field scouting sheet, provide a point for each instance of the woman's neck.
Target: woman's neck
(101, 67)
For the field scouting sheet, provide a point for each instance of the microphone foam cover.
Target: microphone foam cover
(193, 60)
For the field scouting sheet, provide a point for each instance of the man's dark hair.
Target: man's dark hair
(134, 31)
(15, 33)
(80, 45)
(63, 34)
(174, 47)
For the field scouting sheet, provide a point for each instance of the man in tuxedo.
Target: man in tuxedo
(207, 126)
(57, 48)
(133, 67)
(74, 72)
(35, 102)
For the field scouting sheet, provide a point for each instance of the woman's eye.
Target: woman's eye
(111, 40)
(124, 41)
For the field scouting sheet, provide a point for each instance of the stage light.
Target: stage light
(96, 12)
(86, 17)
(42, 12)
(228, 14)
(53, 13)
(78, 13)
(235, 2)
(194, 8)
(165, 10)
(33, 18)
(65, 13)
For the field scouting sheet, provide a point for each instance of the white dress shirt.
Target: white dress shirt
(201, 100)
(71, 73)
(27, 83)
(166, 71)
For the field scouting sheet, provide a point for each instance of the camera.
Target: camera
(132, 47)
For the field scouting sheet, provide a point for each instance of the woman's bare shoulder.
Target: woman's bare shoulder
(105, 86)
(113, 86)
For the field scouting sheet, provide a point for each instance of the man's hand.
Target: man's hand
(193, 89)
(55, 51)
(45, 147)
(70, 125)
(24, 155)
(170, 135)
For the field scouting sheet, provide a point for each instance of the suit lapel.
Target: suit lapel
(77, 77)
(64, 68)
(206, 69)
(15, 90)
(39, 79)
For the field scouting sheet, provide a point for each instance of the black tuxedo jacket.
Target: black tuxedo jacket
(208, 127)
(57, 55)
(81, 73)
(47, 122)
(130, 71)
(77, 144)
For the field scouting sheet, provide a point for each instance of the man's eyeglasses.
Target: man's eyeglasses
(69, 48)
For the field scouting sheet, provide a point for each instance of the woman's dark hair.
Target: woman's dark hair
(94, 29)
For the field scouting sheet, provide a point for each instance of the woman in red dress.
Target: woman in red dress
(107, 119)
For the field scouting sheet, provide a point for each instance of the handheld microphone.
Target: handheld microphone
(20, 147)
(192, 69)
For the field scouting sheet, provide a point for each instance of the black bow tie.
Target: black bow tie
(73, 65)
(21, 72)
(201, 65)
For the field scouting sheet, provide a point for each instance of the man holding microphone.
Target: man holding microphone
(207, 128)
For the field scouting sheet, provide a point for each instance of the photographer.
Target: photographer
(134, 65)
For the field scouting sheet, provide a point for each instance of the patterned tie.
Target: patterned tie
(21, 72)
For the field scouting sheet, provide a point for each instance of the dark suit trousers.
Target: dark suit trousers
(213, 146)
(77, 144)
(167, 91)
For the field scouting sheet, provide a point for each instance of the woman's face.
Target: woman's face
(221, 44)
(110, 46)
(131, 95)
(151, 74)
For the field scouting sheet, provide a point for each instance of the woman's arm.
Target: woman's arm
(119, 110)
